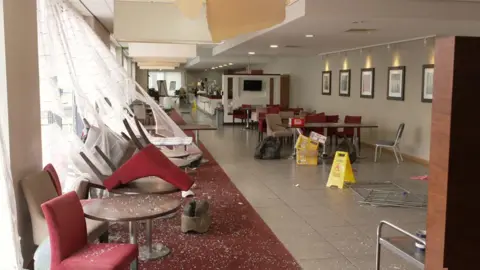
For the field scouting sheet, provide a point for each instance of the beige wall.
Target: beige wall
(194, 76)
(141, 75)
(306, 91)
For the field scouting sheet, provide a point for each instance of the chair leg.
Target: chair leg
(396, 155)
(376, 151)
(400, 153)
(103, 238)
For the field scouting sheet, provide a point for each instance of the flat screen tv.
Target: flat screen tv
(252, 85)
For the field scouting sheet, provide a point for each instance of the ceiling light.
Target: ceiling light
(213, 67)
(251, 53)
(309, 35)
(230, 64)
(273, 46)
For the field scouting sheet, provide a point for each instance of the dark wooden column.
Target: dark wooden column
(453, 221)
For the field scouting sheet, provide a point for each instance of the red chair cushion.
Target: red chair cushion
(101, 256)
(239, 114)
(54, 176)
(149, 162)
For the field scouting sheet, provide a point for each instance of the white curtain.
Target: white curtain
(74, 60)
(10, 252)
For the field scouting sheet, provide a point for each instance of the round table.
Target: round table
(133, 208)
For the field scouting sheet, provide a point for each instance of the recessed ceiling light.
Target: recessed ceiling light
(213, 67)
(309, 36)
(230, 64)
(273, 46)
(251, 53)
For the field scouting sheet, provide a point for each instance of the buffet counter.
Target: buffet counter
(208, 103)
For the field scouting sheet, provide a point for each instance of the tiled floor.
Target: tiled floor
(323, 228)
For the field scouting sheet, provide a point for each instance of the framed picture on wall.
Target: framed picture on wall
(396, 83)
(427, 83)
(326, 83)
(344, 84)
(367, 82)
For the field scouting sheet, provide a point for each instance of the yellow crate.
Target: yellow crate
(305, 143)
(307, 157)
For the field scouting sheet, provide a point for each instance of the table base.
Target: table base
(156, 251)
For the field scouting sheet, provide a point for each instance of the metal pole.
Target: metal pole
(132, 228)
(149, 236)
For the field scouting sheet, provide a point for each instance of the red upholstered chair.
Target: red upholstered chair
(261, 125)
(55, 179)
(273, 110)
(316, 118)
(68, 240)
(149, 161)
(332, 119)
(240, 114)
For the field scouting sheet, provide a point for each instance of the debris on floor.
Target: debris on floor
(389, 194)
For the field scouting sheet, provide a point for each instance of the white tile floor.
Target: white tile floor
(323, 228)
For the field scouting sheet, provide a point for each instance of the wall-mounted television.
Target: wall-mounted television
(252, 85)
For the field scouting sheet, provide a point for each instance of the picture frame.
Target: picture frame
(344, 83)
(326, 83)
(427, 83)
(367, 83)
(396, 83)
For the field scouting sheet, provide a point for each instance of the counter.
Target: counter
(208, 103)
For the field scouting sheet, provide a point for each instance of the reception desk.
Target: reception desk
(208, 103)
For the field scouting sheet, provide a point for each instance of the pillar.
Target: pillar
(20, 101)
(452, 226)
(99, 29)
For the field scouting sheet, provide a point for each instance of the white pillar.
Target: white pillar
(20, 101)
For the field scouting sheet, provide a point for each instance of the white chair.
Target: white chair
(275, 128)
(393, 145)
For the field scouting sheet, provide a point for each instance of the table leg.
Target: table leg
(132, 229)
(152, 251)
(356, 143)
(197, 137)
(294, 151)
(247, 126)
(324, 152)
(197, 141)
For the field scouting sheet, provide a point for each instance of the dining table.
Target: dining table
(326, 126)
(196, 128)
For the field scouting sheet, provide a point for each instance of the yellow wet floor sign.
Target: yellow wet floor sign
(341, 171)
(194, 105)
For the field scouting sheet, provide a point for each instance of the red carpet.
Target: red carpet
(237, 239)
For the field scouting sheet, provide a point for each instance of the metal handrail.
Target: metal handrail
(379, 234)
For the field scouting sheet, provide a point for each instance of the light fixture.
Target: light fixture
(213, 67)
(273, 46)
(251, 53)
(230, 64)
(309, 35)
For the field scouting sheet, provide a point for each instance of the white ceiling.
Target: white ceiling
(102, 9)
(393, 20)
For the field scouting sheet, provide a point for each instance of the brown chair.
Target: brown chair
(275, 128)
(38, 189)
